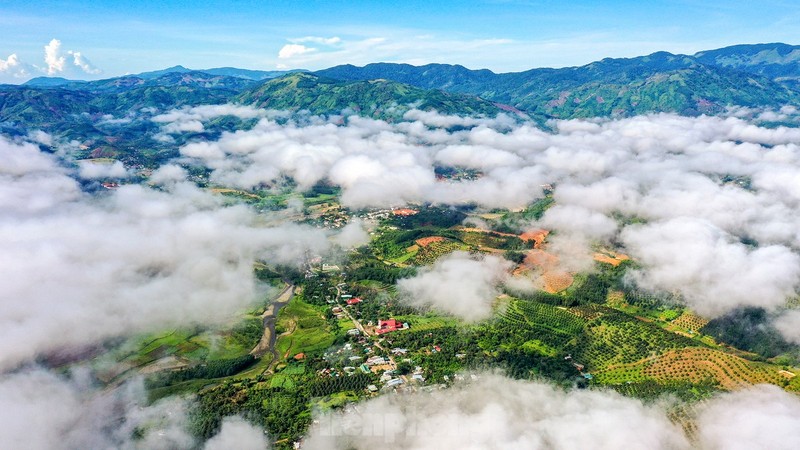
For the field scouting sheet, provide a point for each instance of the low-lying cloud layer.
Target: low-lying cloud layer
(707, 205)
(497, 412)
(40, 410)
(457, 284)
(77, 269)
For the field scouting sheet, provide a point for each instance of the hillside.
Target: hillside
(661, 82)
(777, 61)
(375, 98)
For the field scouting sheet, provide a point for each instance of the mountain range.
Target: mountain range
(762, 76)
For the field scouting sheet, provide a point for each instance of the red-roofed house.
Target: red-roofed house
(354, 301)
(386, 326)
(404, 212)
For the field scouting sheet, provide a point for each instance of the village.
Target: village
(366, 353)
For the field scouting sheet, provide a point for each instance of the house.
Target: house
(353, 332)
(372, 388)
(404, 212)
(375, 360)
(399, 351)
(387, 326)
(394, 382)
(354, 301)
(300, 356)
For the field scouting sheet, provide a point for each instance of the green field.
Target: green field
(302, 328)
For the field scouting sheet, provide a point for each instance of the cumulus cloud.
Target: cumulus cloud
(83, 64)
(53, 58)
(292, 50)
(190, 119)
(92, 170)
(687, 197)
(352, 235)
(67, 64)
(168, 174)
(762, 417)
(72, 413)
(714, 272)
(9, 63)
(14, 70)
(457, 284)
(788, 324)
(132, 260)
(497, 412)
(239, 434)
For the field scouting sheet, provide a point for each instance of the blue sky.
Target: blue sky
(115, 37)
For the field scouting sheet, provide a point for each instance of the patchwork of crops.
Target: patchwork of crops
(490, 239)
(586, 312)
(615, 338)
(533, 321)
(433, 250)
(689, 321)
(693, 365)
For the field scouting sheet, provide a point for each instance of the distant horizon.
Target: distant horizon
(301, 69)
(78, 40)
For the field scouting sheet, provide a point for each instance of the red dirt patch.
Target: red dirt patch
(610, 257)
(537, 236)
(557, 281)
(426, 241)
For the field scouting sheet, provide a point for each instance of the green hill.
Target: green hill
(777, 61)
(374, 98)
(661, 82)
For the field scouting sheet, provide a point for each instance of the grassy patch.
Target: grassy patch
(306, 328)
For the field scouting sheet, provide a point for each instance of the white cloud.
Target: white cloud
(53, 58)
(318, 40)
(13, 70)
(497, 412)
(239, 434)
(134, 260)
(93, 170)
(457, 284)
(81, 62)
(69, 413)
(292, 50)
(714, 273)
(666, 172)
(761, 417)
(352, 235)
